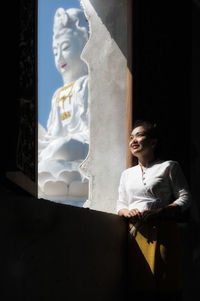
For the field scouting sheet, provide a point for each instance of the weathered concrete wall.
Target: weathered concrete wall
(105, 54)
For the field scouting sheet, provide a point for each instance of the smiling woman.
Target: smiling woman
(142, 193)
(152, 195)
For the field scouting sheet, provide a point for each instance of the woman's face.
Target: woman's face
(140, 143)
(67, 49)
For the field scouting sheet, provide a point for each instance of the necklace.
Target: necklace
(69, 95)
(64, 97)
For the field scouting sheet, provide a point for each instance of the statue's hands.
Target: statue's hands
(57, 129)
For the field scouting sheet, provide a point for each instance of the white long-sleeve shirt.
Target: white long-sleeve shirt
(160, 184)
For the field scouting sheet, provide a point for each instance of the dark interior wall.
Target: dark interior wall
(9, 105)
(161, 70)
(194, 98)
(9, 111)
(166, 89)
(57, 252)
(19, 108)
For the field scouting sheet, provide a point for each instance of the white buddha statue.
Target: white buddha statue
(64, 145)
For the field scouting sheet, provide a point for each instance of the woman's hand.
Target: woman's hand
(124, 212)
(171, 211)
(134, 214)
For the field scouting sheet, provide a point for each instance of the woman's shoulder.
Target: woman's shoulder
(168, 164)
(130, 170)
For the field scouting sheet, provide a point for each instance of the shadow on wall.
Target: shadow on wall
(56, 251)
(108, 15)
(161, 73)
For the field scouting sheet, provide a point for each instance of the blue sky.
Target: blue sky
(49, 79)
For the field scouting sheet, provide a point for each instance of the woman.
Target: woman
(150, 195)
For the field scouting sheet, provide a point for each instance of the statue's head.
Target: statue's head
(70, 34)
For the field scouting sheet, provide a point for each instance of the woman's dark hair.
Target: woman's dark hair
(151, 129)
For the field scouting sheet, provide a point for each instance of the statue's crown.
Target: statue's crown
(70, 19)
(61, 19)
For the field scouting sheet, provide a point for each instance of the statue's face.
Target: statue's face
(67, 49)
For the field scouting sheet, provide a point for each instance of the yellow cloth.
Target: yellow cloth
(154, 257)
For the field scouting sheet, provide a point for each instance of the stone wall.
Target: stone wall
(105, 54)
